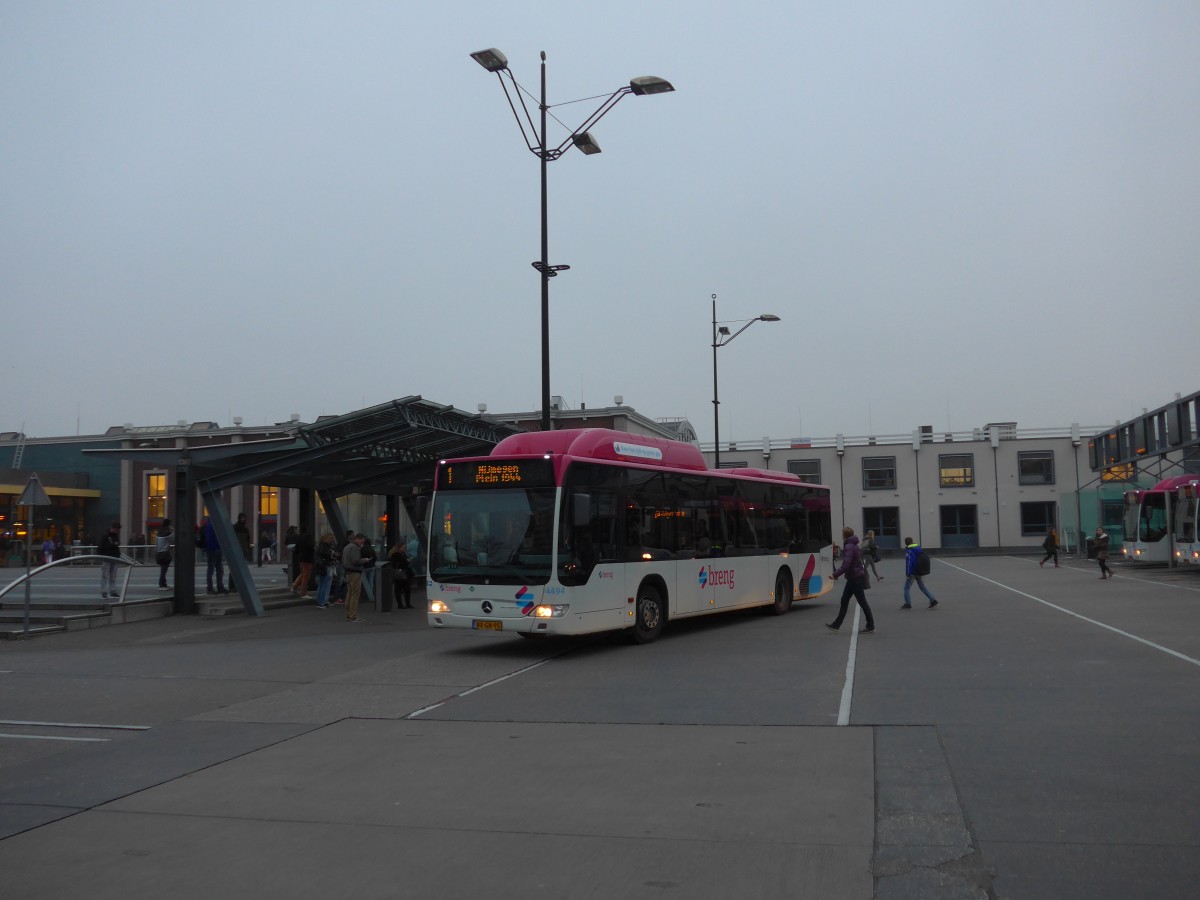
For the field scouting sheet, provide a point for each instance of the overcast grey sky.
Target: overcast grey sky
(962, 212)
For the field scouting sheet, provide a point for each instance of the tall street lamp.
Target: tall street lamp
(721, 337)
(495, 61)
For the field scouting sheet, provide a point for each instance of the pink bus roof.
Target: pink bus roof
(621, 446)
(603, 443)
(1170, 484)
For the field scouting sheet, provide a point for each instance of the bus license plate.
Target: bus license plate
(488, 625)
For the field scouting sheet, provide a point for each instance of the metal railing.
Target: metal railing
(27, 579)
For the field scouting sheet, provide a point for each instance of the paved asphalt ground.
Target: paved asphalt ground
(1035, 736)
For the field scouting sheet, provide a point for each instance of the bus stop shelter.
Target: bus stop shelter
(389, 449)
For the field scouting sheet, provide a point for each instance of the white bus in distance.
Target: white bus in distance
(587, 530)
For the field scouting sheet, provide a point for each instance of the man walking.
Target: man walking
(912, 572)
(110, 546)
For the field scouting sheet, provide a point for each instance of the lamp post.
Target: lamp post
(721, 337)
(495, 61)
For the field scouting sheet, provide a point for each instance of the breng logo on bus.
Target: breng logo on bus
(715, 577)
(524, 600)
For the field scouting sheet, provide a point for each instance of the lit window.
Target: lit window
(956, 470)
(156, 496)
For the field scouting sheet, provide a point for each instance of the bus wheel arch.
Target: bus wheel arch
(649, 611)
(783, 592)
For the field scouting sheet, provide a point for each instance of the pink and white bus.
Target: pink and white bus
(587, 530)
(1148, 518)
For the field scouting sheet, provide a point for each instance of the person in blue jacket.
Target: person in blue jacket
(911, 550)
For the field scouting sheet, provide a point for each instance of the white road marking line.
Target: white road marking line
(1132, 637)
(848, 687)
(478, 687)
(77, 725)
(48, 737)
(1125, 574)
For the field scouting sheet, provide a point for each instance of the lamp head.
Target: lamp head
(723, 330)
(650, 84)
(768, 317)
(586, 143)
(491, 59)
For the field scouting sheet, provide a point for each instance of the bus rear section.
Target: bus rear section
(1145, 526)
(590, 530)
(1187, 532)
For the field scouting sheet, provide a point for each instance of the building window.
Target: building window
(879, 473)
(156, 496)
(956, 469)
(1123, 472)
(734, 465)
(809, 470)
(1036, 519)
(885, 522)
(268, 501)
(1035, 466)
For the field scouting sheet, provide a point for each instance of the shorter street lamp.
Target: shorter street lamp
(721, 337)
(535, 139)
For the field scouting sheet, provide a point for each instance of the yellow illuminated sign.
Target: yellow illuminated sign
(520, 473)
(500, 473)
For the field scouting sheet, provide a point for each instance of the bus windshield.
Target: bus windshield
(1154, 517)
(493, 531)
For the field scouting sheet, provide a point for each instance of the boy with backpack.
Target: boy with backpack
(916, 565)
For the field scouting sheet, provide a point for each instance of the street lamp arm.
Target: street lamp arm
(764, 318)
(613, 99)
(532, 143)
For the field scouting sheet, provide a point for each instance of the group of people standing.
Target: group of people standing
(856, 558)
(340, 569)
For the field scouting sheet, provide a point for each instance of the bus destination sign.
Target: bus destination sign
(511, 473)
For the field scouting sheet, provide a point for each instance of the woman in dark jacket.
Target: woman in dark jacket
(856, 575)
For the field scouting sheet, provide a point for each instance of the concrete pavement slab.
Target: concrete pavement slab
(427, 808)
(98, 773)
(789, 785)
(121, 856)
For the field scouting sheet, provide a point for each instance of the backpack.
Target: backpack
(923, 566)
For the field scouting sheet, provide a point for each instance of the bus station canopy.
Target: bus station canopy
(386, 449)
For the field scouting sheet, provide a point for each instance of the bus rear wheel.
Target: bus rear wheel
(649, 616)
(783, 593)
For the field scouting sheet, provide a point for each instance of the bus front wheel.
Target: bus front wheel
(650, 614)
(783, 593)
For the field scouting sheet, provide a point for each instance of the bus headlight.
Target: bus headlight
(439, 606)
(547, 611)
